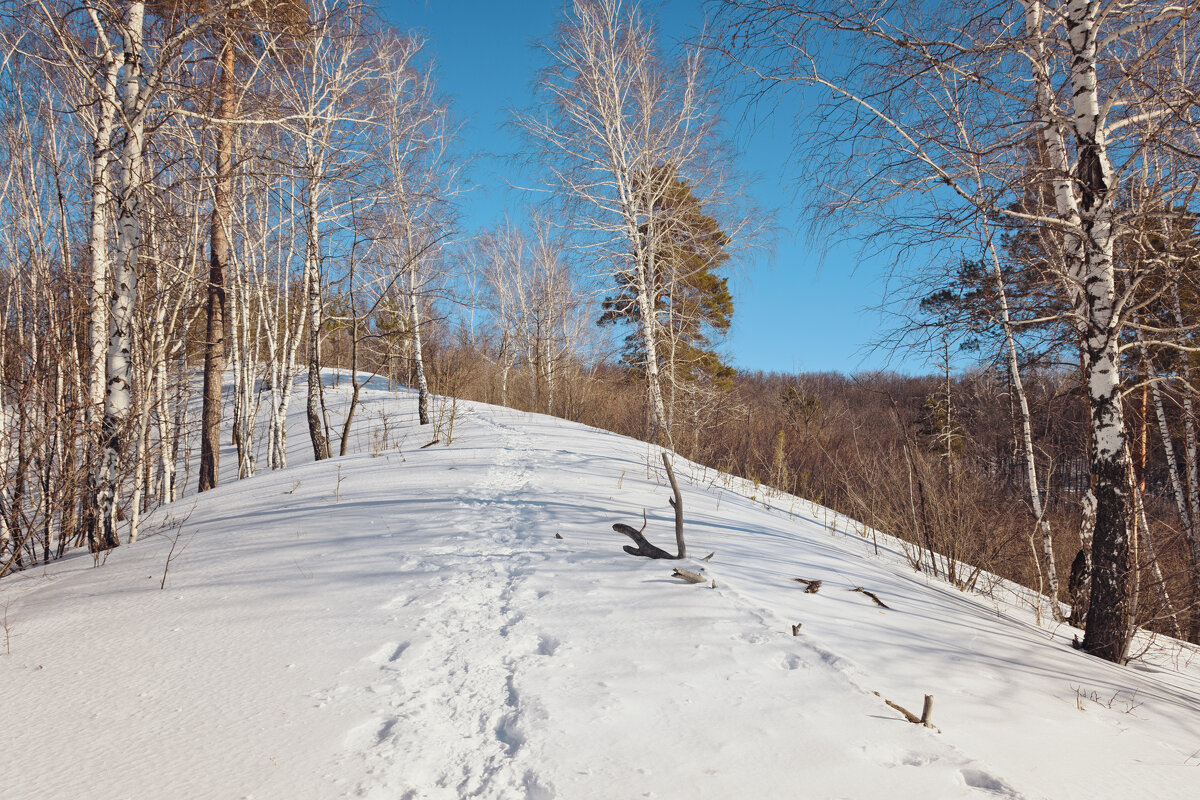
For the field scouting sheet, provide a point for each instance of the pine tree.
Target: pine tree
(692, 303)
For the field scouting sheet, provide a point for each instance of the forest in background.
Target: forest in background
(245, 192)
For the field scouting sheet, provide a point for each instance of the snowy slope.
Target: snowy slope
(417, 631)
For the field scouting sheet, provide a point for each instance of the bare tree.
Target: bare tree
(413, 214)
(615, 112)
(535, 306)
(323, 81)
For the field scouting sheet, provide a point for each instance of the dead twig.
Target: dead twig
(926, 717)
(871, 595)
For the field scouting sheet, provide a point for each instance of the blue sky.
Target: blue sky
(802, 307)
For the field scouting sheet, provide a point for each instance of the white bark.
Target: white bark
(98, 247)
(1059, 163)
(5, 460)
(312, 280)
(118, 398)
(1109, 610)
(1177, 491)
(414, 321)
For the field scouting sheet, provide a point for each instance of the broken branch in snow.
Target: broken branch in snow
(689, 576)
(644, 548)
(908, 715)
(811, 587)
(709, 556)
(677, 504)
(926, 717)
(871, 595)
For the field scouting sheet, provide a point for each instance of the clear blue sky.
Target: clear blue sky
(801, 308)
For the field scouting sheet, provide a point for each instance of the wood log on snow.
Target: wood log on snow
(689, 576)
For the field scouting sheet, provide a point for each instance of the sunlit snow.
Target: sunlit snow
(404, 623)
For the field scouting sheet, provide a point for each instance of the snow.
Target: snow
(417, 631)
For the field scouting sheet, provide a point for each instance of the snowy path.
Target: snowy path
(462, 734)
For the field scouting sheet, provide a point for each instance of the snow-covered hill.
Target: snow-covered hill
(404, 623)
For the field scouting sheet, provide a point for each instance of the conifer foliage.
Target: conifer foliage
(692, 303)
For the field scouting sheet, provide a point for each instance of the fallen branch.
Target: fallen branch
(644, 548)
(873, 596)
(908, 715)
(689, 576)
(926, 717)
(811, 587)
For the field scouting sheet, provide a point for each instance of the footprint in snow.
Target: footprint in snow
(988, 783)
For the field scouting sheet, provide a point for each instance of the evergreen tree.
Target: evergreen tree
(692, 303)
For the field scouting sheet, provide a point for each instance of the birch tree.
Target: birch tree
(322, 83)
(615, 111)
(534, 306)
(241, 31)
(414, 215)
(118, 397)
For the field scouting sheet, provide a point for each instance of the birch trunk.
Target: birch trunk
(1108, 620)
(118, 391)
(1193, 476)
(6, 539)
(245, 340)
(166, 464)
(214, 346)
(283, 374)
(98, 238)
(1054, 137)
(418, 357)
(283, 351)
(1181, 504)
(316, 426)
(648, 322)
